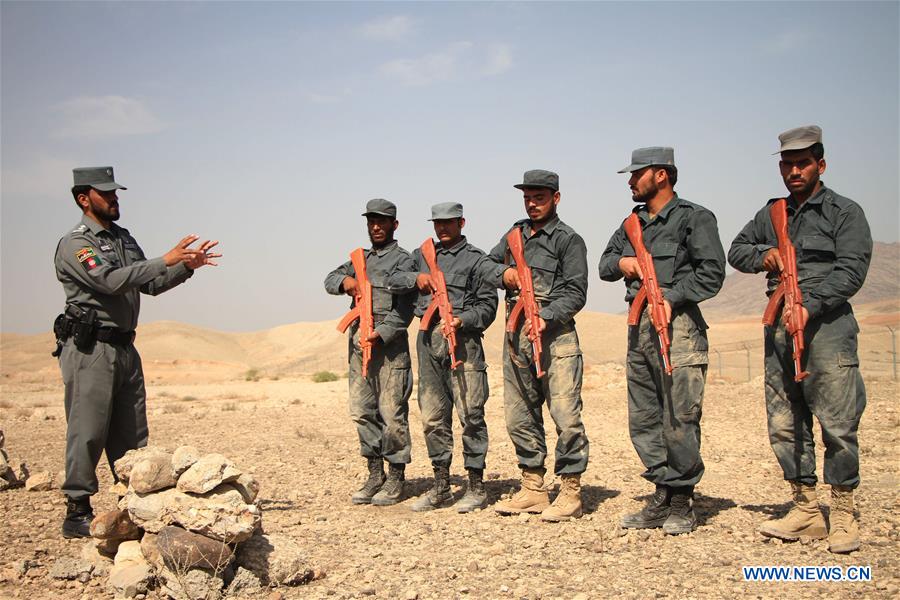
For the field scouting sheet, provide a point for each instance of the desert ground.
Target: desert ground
(252, 397)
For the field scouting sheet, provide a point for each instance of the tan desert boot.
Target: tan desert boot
(567, 505)
(843, 535)
(804, 519)
(532, 498)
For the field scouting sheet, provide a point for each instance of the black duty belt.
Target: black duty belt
(114, 336)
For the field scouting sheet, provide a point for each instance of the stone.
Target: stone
(248, 486)
(245, 582)
(220, 514)
(20, 472)
(152, 474)
(115, 525)
(182, 550)
(275, 559)
(183, 458)
(193, 584)
(123, 466)
(130, 581)
(108, 547)
(150, 549)
(42, 481)
(118, 489)
(149, 510)
(70, 568)
(207, 473)
(129, 554)
(4, 462)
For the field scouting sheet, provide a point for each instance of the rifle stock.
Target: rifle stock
(788, 292)
(526, 304)
(650, 292)
(362, 308)
(440, 302)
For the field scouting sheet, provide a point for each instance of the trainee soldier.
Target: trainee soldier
(379, 402)
(474, 303)
(834, 247)
(558, 260)
(664, 410)
(103, 272)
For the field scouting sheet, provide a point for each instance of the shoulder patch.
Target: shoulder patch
(88, 258)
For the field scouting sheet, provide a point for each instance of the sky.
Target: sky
(268, 126)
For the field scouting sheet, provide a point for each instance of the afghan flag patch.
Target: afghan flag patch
(88, 258)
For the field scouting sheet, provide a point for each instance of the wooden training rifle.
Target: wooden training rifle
(526, 303)
(362, 308)
(440, 302)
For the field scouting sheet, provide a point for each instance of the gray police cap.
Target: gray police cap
(446, 210)
(381, 208)
(99, 178)
(800, 138)
(653, 156)
(538, 178)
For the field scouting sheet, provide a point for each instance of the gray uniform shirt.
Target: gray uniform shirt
(833, 243)
(683, 240)
(106, 270)
(392, 308)
(474, 299)
(558, 260)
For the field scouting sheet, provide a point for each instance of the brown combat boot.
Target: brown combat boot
(567, 505)
(532, 498)
(804, 518)
(843, 535)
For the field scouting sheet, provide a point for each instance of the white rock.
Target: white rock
(220, 514)
(129, 554)
(152, 474)
(248, 486)
(183, 458)
(193, 584)
(130, 580)
(124, 465)
(41, 481)
(207, 473)
(274, 558)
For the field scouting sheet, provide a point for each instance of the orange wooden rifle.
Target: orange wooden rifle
(440, 302)
(526, 303)
(362, 308)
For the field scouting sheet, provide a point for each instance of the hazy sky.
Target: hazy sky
(269, 125)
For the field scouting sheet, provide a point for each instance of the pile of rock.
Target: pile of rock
(12, 473)
(190, 526)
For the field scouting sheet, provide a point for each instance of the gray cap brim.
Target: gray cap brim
(375, 213)
(633, 167)
(790, 147)
(108, 187)
(522, 186)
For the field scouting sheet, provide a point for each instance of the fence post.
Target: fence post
(719, 357)
(747, 350)
(893, 350)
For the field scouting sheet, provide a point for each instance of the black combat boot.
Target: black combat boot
(475, 496)
(439, 496)
(79, 515)
(373, 483)
(392, 490)
(681, 515)
(654, 513)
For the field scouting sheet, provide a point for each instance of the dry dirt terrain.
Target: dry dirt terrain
(296, 437)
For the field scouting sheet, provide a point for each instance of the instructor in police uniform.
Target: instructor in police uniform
(834, 247)
(103, 272)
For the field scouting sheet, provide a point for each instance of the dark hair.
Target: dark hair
(817, 150)
(671, 173)
(79, 190)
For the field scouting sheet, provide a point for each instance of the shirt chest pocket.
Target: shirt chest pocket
(664, 254)
(543, 272)
(456, 289)
(133, 252)
(382, 300)
(817, 248)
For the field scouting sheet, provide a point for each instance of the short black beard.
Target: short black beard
(646, 196)
(387, 240)
(546, 219)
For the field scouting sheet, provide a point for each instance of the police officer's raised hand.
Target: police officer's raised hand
(181, 252)
(349, 285)
(772, 261)
(511, 279)
(204, 256)
(630, 268)
(424, 283)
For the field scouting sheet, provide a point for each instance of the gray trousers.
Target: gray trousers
(664, 411)
(440, 389)
(524, 395)
(106, 409)
(833, 392)
(379, 403)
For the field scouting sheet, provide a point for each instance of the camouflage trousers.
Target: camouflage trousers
(106, 410)
(833, 392)
(664, 411)
(379, 403)
(524, 396)
(440, 389)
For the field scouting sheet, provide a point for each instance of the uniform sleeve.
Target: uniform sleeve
(484, 310)
(402, 281)
(401, 315)
(707, 261)
(750, 246)
(573, 259)
(609, 261)
(493, 273)
(853, 253)
(174, 276)
(77, 257)
(334, 280)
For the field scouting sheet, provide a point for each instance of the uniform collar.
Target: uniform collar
(384, 250)
(816, 198)
(455, 248)
(644, 213)
(94, 226)
(548, 228)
